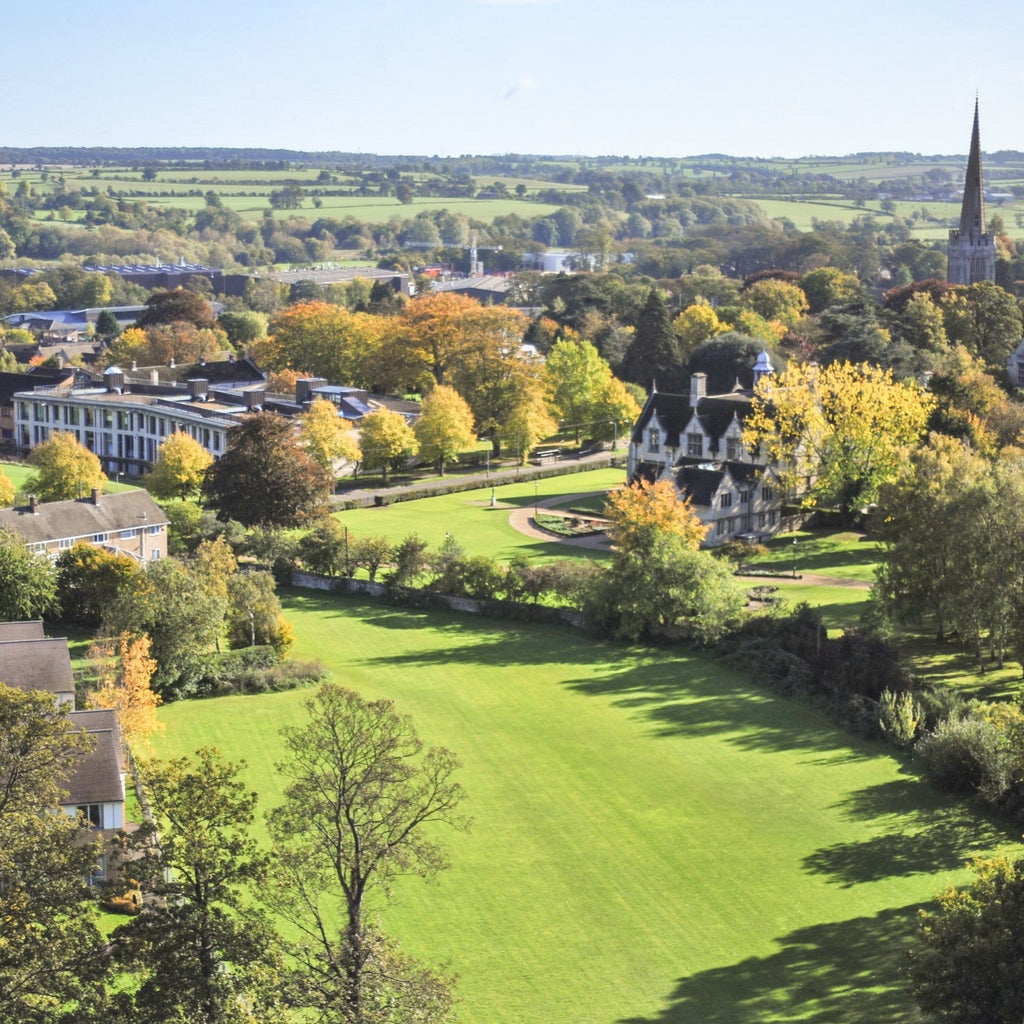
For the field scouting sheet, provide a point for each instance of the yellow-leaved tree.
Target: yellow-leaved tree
(445, 427)
(7, 491)
(643, 508)
(180, 468)
(64, 469)
(125, 670)
(328, 437)
(838, 429)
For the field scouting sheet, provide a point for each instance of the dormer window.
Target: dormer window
(725, 501)
(732, 449)
(695, 446)
(654, 440)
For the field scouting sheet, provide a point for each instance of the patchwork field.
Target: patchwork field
(654, 840)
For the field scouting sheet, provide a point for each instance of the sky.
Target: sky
(575, 77)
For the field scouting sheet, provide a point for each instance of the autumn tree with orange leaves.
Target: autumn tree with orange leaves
(644, 507)
(126, 669)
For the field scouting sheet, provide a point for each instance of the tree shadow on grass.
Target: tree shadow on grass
(699, 698)
(949, 833)
(843, 971)
(679, 692)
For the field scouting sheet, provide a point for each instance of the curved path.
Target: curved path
(521, 519)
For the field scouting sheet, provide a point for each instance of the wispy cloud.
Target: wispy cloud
(521, 85)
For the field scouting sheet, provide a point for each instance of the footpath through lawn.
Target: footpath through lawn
(654, 839)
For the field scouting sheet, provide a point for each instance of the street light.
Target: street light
(794, 558)
(535, 500)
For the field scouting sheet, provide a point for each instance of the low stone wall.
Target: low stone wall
(417, 597)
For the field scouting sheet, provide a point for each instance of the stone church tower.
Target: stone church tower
(972, 250)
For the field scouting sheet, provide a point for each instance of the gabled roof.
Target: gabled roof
(38, 664)
(674, 412)
(30, 630)
(699, 483)
(84, 517)
(100, 720)
(97, 777)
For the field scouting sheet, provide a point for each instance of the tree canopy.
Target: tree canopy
(841, 427)
(180, 468)
(266, 477)
(64, 469)
(362, 805)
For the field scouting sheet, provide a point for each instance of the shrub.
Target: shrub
(899, 717)
(978, 751)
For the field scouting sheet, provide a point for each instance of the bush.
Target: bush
(899, 717)
(977, 751)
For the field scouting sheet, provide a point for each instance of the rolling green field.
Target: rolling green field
(654, 841)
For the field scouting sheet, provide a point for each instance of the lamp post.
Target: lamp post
(144, 519)
(794, 558)
(535, 503)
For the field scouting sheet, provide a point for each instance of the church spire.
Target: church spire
(972, 251)
(972, 212)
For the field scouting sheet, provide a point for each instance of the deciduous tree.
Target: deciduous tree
(387, 441)
(89, 579)
(328, 437)
(660, 584)
(125, 670)
(64, 469)
(180, 468)
(28, 583)
(362, 805)
(966, 968)
(201, 951)
(182, 617)
(8, 492)
(642, 508)
(445, 427)
(265, 477)
(165, 306)
(842, 426)
(323, 340)
(52, 958)
(254, 613)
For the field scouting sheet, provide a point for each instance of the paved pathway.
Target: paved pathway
(521, 519)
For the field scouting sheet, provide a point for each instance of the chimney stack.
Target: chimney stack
(698, 388)
(95, 496)
(33, 505)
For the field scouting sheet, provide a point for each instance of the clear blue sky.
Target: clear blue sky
(447, 77)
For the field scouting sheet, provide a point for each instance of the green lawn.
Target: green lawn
(654, 841)
(470, 519)
(19, 472)
(844, 555)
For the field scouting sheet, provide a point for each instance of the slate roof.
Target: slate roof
(32, 630)
(96, 778)
(699, 482)
(674, 412)
(98, 720)
(83, 518)
(38, 664)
